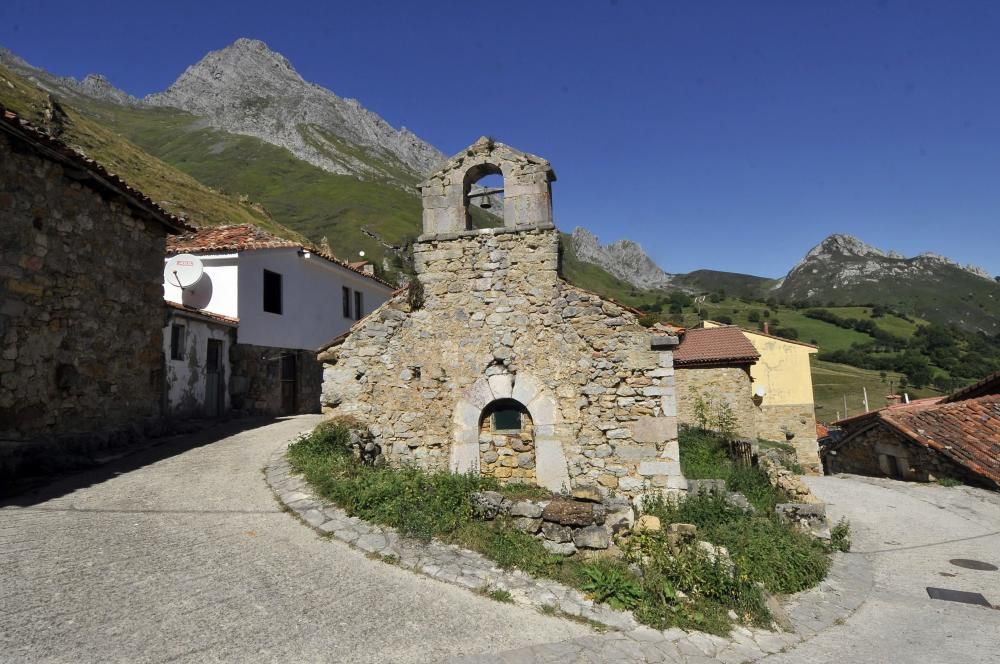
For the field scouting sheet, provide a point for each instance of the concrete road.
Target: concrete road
(180, 553)
(911, 532)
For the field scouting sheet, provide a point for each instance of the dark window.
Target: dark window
(272, 292)
(176, 342)
(346, 293)
(507, 418)
(358, 305)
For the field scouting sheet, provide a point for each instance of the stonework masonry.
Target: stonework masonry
(256, 384)
(82, 311)
(794, 424)
(715, 386)
(497, 324)
(881, 452)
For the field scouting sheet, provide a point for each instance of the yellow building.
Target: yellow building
(782, 391)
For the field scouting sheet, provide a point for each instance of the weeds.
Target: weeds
(611, 582)
(840, 535)
(948, 481)
(498, 594)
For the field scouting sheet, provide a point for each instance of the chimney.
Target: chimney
(765, 328)
(368, 268)
(892, 399)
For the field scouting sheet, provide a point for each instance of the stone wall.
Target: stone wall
(869, 452)
(716, 385)
(793, 424)
(82, 311)
(255, 386)
(496, 322)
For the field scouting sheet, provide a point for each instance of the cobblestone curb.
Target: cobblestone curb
(445, 562)
(846, 587)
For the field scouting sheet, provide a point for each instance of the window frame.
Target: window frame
(493, 420)
(359, 304)
(345, 294)
(265, 292)
(178, 339)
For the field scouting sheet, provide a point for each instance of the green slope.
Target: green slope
(175, 191)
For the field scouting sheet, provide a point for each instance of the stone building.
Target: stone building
(956, 437)
(713, 376)
(81, 263)
(491, 363)
(782, 390)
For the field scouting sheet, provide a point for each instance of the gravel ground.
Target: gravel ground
(180, 553)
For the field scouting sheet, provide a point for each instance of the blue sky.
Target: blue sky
(723, 135)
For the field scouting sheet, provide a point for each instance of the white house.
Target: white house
(286, 299)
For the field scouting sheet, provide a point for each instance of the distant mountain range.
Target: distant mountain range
(241, 137)
(841, 270)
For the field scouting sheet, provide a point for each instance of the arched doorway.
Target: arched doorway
(507, 442)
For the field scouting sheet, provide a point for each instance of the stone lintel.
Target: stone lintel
(663, 342)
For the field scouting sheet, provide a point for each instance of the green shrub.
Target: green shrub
(704, 509)
(686, 587)
(772, 553)
(840, 535)
(611, 582)
(703, 454)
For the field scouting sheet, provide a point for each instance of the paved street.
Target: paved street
(910, 532)
(180, 553)
(185, 556)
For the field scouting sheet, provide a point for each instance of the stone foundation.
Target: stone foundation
(792, 424)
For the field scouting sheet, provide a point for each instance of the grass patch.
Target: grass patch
(948, 481)
(663, 584)
(499, 595)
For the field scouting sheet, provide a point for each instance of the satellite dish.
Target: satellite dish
(183, 271)
(759, 391)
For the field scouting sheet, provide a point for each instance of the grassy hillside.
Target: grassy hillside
(832, 383)
(597, 279)
(744, 286)
(175, 191)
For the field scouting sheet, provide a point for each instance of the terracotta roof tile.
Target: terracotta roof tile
(968, 432)
(55, 149)
(715, 345)
(247, 237)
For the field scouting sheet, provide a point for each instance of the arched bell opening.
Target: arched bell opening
(483, 188)
(507, 442)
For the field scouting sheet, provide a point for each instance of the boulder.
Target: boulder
(647, 523)
(489, 504)
(556, 533)
(569, 512)
(592, 537)
(526, 508)
(565, 549)
(527, 525)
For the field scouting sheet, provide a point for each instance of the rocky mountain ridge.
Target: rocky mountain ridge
(248, 89)
(624, 259)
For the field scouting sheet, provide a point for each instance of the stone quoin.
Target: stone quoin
(491, 363)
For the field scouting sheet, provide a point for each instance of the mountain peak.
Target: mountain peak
(624, 259)
(848, 245)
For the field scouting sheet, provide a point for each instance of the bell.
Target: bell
(485, 202)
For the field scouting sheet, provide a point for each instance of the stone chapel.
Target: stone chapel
(493, 364)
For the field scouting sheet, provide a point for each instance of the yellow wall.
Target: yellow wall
(783, 369)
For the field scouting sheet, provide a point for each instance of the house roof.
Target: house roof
(198, 313)
(966, 431)
(247, 237)
(713, 346)
(96, 174)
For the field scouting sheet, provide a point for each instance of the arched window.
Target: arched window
(505, 416)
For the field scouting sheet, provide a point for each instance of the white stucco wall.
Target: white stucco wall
(312, 311)
(186, 378)
(217, 290)
(312, 306)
